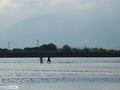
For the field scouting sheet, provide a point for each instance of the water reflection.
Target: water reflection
(28, 70)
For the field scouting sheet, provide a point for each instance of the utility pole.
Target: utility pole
(37, 43)
(8, 45)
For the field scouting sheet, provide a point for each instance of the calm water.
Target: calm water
(61, 74)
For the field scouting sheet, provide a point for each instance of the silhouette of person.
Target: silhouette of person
(48, 61)
(41, 60)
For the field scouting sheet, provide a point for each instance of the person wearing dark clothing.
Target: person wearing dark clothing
(48, 61)
(41, 60)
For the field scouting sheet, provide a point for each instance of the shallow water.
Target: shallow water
(61, 74)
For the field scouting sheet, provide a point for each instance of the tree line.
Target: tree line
(52, 50)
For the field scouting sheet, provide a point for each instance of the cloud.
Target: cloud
(82, 8)
(55, 2)
(45, 5)
(85, 6)
(4, 3)
(10, 5)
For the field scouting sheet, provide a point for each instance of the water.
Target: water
(61, 74)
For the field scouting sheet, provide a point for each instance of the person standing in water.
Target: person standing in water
(41, 60)
(48, 61)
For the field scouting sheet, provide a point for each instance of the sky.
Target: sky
(99, 16)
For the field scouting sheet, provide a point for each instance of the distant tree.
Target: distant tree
(95, 50)
(86, 49)
(16, 50)
(101, 50)
(48, 48)
(74, 50)
(66, 48)
(52, 47)
(27, 49)
(43, 48)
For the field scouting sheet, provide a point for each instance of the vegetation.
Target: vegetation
(52, 50)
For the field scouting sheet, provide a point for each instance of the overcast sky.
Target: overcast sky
(14, 10)
(97, 11)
